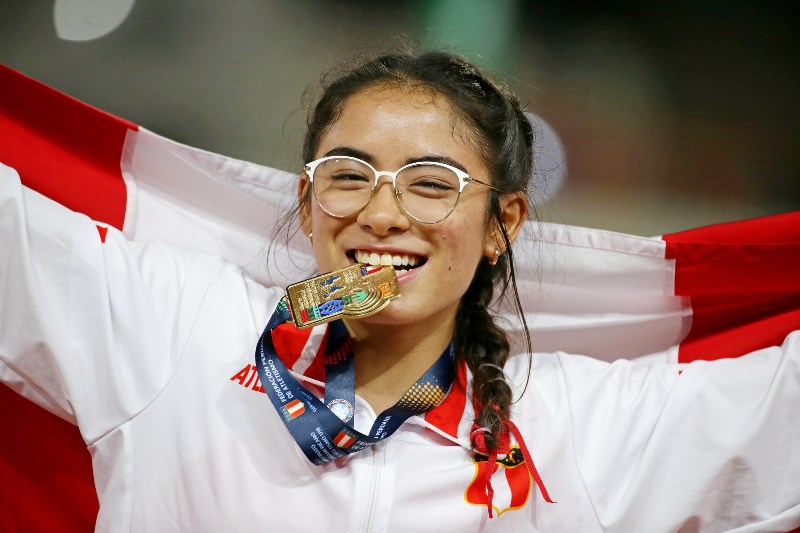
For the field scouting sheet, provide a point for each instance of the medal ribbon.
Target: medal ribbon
(321, 434)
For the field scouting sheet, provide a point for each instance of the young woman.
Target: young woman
(415, 418)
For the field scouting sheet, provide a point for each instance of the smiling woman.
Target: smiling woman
(418, 417)
(456, 150)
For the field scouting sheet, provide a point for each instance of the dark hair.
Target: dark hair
(504, 138)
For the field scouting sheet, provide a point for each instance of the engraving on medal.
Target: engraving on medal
(356, 291)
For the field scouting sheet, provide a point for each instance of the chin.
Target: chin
(392, 315)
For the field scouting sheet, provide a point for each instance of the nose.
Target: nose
(382, 214)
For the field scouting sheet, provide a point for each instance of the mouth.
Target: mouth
(401, 262)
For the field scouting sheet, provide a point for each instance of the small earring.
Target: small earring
(311, 237)
(493, 260)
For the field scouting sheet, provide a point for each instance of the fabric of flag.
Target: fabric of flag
(714, 292)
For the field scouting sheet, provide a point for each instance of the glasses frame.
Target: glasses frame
(464, 179)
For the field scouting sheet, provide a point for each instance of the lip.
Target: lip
(351, 253)
(409, 275)
(405, 277)
(383, 249)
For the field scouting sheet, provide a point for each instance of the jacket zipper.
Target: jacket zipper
(377, 475)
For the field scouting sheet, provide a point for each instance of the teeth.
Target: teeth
(376, 259)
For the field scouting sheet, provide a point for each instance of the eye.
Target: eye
(428, 181)
(347, 180)
(433, 183)
(433, 187)
(348, 176)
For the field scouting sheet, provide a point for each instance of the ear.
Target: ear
(513, 213)
(304, 201)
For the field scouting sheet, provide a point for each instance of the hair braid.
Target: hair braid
(484, 347)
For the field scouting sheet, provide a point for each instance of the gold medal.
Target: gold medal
(356, 291)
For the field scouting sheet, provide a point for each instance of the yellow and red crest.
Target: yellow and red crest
(513, 471)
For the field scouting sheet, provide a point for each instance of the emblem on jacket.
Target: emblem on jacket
(512, 470)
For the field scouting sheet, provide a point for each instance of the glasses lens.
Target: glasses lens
(428, 192)
(342, 186)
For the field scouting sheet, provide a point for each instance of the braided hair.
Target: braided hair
(504, 139)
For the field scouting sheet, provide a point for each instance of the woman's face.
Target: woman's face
(388, 127)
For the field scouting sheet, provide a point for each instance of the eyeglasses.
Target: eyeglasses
(426, 191)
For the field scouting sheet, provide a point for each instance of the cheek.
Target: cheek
(462, 249)
(325, 225)
(325, 230)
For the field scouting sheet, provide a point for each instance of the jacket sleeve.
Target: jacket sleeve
(90, 328)
(709, 446)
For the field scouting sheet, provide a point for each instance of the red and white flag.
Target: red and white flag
(344, 439)
(294, 409)
(719, 291)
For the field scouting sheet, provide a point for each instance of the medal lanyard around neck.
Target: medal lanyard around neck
(322, 431)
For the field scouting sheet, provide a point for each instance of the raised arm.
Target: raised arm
(90, 328)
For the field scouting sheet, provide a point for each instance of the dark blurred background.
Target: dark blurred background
(669, 117)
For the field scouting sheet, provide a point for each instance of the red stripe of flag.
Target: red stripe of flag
(63, 148)
(71, 153)
(743, 283)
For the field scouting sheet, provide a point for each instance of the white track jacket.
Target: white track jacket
(139, 326)
(150, 351)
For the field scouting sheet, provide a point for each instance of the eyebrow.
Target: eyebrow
(365, 156)
(437, 159)
(351, 152)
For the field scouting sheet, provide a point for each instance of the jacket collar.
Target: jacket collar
(303, 353)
